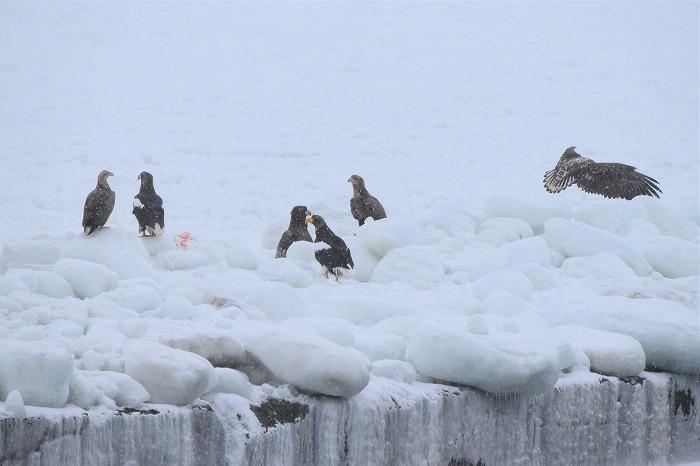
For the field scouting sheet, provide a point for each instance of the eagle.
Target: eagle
(337, 256)
(362, 204)
(98, 204)
(611, 180)
(148, 208)
(297, 230)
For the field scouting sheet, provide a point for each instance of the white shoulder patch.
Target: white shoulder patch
(137, 203)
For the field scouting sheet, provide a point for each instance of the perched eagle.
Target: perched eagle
(98, 204)
(297, 231)
(337, 256)
(148, 208)
(613, 180)
(362, 204)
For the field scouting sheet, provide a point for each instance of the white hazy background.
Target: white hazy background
(242, 110)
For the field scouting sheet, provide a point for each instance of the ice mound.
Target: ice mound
(113, 389)
(128, 264)
(304, 250)
(534, 214)
(400, 371)
(505, 229)
(218, 347)
(505, 304)
(232, 381)
(308, 362)
(379, 345)
(102, 245)
(673, 257)
(614, 215)
(572, 238)
(170, 376)
(134, 295)
(608, 352)
(478, 262)
(669, 221)
(14, 405)
(527, 250)
(182, 259)
(493, 363)
(40, 372)
(28, 254)
(667, 331)
(88, 279)
(383, 235)
(598, 266)
(510, 281)
(413, 264)
(240, 256)
(278, 301)
(364, 258)
(43, 282)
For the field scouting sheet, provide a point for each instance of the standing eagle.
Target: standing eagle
(148, 208)
(297, 231)
(337, 256)
(613, 180)
(98, 204)
(362, 203)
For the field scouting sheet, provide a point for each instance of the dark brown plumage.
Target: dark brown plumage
(611, 180)
(148, 208)
(362, 204)
(297, 231)
(98, 204)
(337, 256)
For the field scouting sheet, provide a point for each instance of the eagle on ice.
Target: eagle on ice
(98, 204)
(148, 208)
(611, 180)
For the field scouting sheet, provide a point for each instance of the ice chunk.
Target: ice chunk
(43, 282)
(505, 304)
(572, 238)
(232, 381)
(101, 246)
(128, 265)
(379, 345)
(14, 404)
(39, 372)
(535, 213)
(304, 250)
(364, 258)
(88, 279)
(478, 262)
(412, 264)
(401, 371)
(182, 259)
(308, 362)
(526, 250)
(136, 296)
(28, 254)
(176, 308)
(493, 363)
(218, 347)
(277, 300)
(240, 256)
(170, 376)
(669, 220)
(614, 215)
(510, 229)
(598, 266)
(673, 257)
(608, 352)
(510, 281)
(133, 328)
(386, 234)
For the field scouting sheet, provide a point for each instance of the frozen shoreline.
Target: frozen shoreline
(648, 420)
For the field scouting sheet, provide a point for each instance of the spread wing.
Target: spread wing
(615, 180)
(564, 173)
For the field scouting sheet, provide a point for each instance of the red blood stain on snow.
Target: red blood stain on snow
(183, 239)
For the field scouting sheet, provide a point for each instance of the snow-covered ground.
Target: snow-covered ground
(452, 112)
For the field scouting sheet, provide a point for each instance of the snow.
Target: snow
(471, 279)
(169, 376)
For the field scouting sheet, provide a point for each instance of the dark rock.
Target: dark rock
(684, 400)
(128, 411)
(633, 380)
(276, 411)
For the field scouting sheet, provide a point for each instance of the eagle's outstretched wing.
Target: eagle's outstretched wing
(615, 180)
(564, 173)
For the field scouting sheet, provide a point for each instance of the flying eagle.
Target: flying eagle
(297, 231)
(148, 208)
(337, 256)
(362, 204)
(613, 180)
(98, 204)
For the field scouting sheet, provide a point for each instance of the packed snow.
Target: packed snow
(477, 276)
